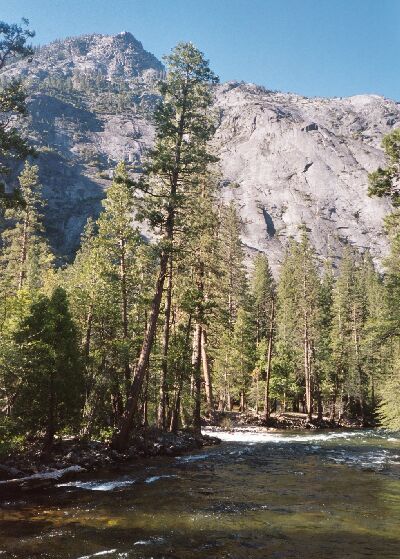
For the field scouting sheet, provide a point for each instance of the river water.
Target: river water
(257, 495)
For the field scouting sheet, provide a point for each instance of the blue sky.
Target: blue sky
(311, 47)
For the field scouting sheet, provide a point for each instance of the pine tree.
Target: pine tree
(119, 241)
(183, 129)
(354, 301)
(108, 289)
(328, 389)
(299, 314)
(286, 366)
(263, 289)
(26, 267)
(50, 395)
(231, 296)
(385, 182)
(26, 257)
(13, 43)
(243, 355)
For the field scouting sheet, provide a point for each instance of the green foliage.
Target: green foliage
(50, 391)
(242, 358)
(25, 256)
(384, 182)
(13, 41)
(385, 329)
(184, 126)
(108, 287)
(13, 44)
(389, 409)
(263, 290)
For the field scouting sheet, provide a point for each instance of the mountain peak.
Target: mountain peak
(111, 56)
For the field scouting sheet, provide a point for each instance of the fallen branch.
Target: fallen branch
(42, 479)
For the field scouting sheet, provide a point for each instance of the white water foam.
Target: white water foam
(155, 540)
(152, 479)
(374, 460)
(98, 554)
(98, 485)
(251, 436)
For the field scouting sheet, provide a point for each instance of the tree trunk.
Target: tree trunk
(23, 253)
(146, 400)
(124, 295)
(122, 436)
(228, 395)
(242, 401)
(358, 365)
(88, 333)
(175, 411)
(196, 364)
(175, 414)
(206, 372)
(124, 312)
(307, 371)
(319, 404)
(161, 423)
(269, 360)
(51, 418)
(257, 382)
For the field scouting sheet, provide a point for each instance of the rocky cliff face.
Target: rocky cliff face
(289, 160)
(90, 101)
(286, 159)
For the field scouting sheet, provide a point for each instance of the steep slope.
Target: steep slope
(90, 101)
(286, 159)
(296, 160)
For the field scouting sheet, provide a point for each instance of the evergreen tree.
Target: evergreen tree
(119, 241)
(50, 394)
(183, 129)
(108, 286)
(299, 314)
(287, 358)
(385, 182)
(264, 299)
(355, 358)
(243, 355)
(13, 44)
(328, 389)
(231, 296)
(25, 256)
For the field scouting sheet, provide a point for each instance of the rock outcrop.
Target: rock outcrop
(288, 160)
(284, 158)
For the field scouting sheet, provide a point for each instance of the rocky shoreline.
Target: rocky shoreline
(34, 468)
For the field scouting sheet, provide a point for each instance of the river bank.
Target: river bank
(34, 468)
(283, 421)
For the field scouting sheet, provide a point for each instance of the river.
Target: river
(279, 495)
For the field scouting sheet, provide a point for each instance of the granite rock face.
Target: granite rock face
(289, 160)
(284, 158)
(90, 103)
